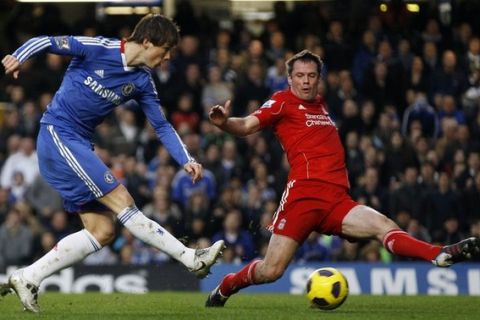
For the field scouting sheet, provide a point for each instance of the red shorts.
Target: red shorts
(308, 206)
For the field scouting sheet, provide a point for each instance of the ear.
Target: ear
(146, 43)
(289, 79)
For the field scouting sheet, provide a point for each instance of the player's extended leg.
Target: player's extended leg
(99, 231)
(279, 254)
(197, 261)
(365, 222)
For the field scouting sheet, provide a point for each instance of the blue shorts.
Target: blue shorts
(69, 164)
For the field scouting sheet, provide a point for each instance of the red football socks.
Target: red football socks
(233, 282)
(401, 243)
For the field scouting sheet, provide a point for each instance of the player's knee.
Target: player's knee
(104, 234)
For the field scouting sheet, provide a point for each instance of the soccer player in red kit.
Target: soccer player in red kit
(316, 195)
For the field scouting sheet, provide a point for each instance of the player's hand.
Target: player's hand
(11, 65)
(218, 114)
(194, 169)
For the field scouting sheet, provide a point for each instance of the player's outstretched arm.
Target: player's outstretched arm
(11, 65)
(220, 117)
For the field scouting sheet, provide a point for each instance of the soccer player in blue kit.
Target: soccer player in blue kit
(102, 74)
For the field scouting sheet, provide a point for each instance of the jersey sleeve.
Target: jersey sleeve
(150, 105)
(62, 45)
(270, 112)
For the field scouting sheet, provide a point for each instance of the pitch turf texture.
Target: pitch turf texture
(173, 305)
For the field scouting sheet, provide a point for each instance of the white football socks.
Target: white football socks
(152, 233)
(71, 249)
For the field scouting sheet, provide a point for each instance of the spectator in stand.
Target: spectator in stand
(166, 83)
(449, 79)
(253, 88)
(425, 114)
(136, 180)
(188, 53)
(399, 154)
(215, 90)
(431, 58)
(405, 54)
(231, 161)
(223, 41)
(353, 158)
(24, 161)
(401, 198)
(471, 60)
(448, 109)
(440, 205)
(184, 118)
(451, 231)
(30, 119)
(346, 91)
(369, 117)
(15, 240)
(18, 188)
(416, 78)
(276, 49)
(379, 87)
(224, 61)
(276, 79)
(191, 81)
(364, 57)
(312, 249)
(163, 211)
(432, 33)
(59, 225)
(338, 52)
(183, 187)
(198, 209)
(370, 193)
(350, 119)
(255, 55)
(235, 237)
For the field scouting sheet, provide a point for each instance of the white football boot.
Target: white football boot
(26, 291)
(205, 258)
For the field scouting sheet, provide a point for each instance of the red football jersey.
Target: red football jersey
(308, 136)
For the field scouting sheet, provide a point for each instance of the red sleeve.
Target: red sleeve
(270, 112)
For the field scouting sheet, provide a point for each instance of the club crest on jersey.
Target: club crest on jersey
(268, 104)
(127, 89)
(281, 224)
(108, 177)
(62, 42)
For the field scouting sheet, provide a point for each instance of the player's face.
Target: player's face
(304, 79)
(155, 55)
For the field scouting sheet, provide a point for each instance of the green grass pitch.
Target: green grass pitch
(177, 305)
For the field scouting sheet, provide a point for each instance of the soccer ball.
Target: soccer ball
(327, 288)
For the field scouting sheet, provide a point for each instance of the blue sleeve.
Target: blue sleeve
(166, 133)
(62, 45)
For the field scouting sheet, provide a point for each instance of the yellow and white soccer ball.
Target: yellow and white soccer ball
(327, 288)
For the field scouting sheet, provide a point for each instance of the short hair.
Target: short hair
(157, 29)
(304, 56)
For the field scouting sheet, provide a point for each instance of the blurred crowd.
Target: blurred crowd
(402, 88)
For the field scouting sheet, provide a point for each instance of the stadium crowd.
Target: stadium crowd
(402, 88)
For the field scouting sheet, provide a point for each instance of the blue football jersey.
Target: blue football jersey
(96, 81)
